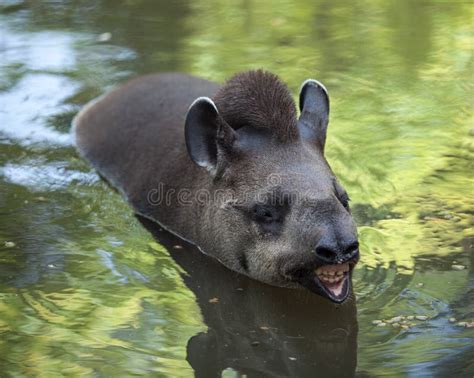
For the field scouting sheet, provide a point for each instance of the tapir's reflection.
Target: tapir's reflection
(260, 330)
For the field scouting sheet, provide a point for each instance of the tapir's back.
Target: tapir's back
(132, 134)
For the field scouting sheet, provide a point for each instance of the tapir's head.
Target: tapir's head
(278, 213)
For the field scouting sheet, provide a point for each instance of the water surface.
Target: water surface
(86, 289)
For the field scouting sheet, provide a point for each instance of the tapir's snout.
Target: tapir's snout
(327, 269)
(336, 254)
(331, 249)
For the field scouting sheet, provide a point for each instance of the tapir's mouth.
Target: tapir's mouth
(335, 280)
(332, 281)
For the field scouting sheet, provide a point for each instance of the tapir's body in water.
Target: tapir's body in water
(239, 175)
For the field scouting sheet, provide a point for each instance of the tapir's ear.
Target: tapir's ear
(314, 107)
(209, 139)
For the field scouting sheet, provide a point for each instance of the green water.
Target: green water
(86, 290)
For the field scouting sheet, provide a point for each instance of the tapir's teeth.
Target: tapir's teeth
(335, 275)
(332, 271)
(330, 279)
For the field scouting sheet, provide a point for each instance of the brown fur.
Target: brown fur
(261, 100)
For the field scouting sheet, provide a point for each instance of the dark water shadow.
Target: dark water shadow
(259, 330)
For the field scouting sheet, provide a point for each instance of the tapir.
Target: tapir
(232, 169)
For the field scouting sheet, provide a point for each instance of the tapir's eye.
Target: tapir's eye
(264, 214)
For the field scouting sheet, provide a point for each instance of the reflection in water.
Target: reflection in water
(85, 290)
(260, 330)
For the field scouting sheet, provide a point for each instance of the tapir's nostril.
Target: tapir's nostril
(325, 253)
(351, 248)
(328, 252)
